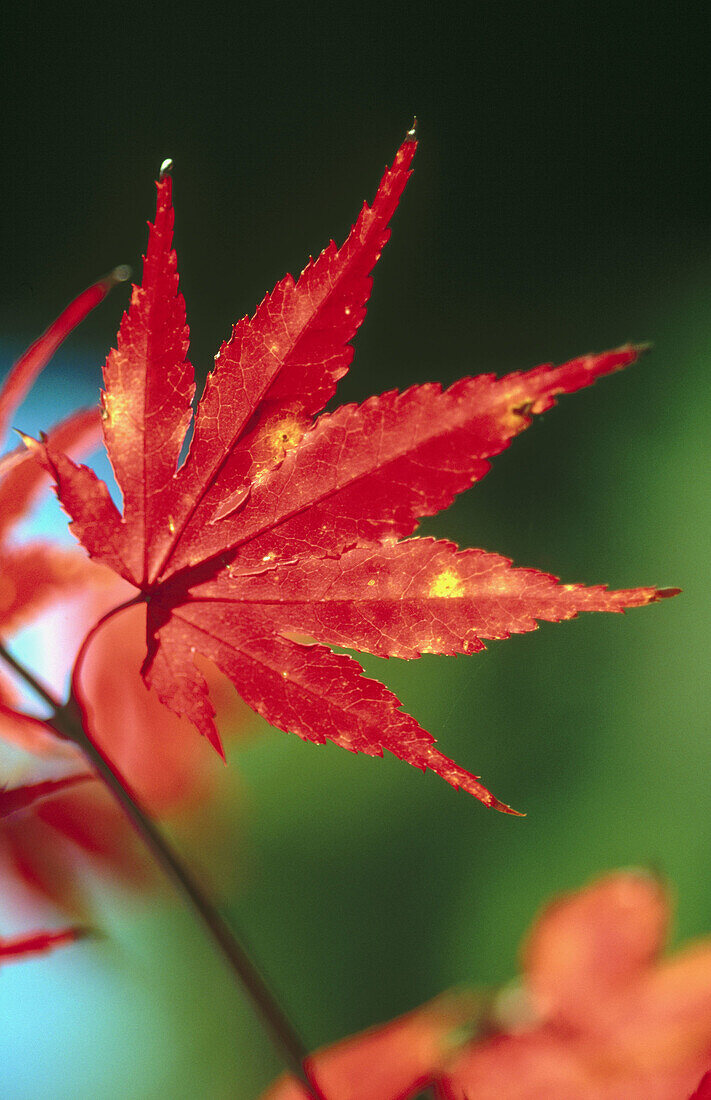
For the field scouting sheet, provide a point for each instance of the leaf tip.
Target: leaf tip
(504, 809)
(30, 442)
(493, 803)
(667, 593)
(216, 741)
(166, 168)
(411, 134)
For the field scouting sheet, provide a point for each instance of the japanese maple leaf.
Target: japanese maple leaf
(16, 948)
(607, 1018)
(278, 525)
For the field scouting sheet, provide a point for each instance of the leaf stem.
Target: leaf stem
(30, 679)
(70, 721)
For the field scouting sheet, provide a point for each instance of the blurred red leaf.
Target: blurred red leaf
(157, 751)
(276, 524)
(22, 477)
(13, 799)
(32, 362)
(169, 769)
(33, 576)
(53, 846)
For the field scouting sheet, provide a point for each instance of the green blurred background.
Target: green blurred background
(560, 204)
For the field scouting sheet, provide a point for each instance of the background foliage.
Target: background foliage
(559, 205)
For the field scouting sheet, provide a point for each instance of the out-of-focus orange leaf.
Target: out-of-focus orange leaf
(34, 576)
(607, 1019)
(391, 1062)
(600, 1016)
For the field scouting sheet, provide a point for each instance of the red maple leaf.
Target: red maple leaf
(276, 524)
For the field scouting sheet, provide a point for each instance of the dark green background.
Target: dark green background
(560, 204)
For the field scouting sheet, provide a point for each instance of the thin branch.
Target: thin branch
(30, 679)
(71, 722)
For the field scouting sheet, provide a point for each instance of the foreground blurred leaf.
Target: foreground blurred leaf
(603, 1017)
(599, 1016)
(46, 841)
(390, 1062)
(13, 799)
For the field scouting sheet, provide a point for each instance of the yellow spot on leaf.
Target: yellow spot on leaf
(115, 406)
(446, 585)
(285, 435)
